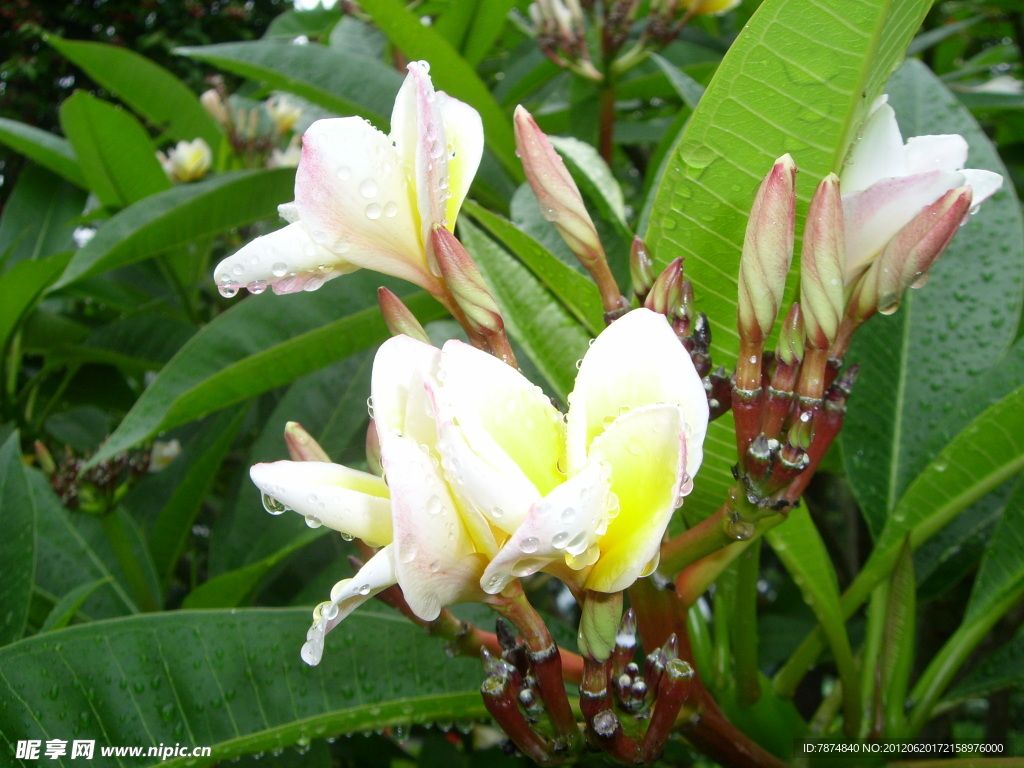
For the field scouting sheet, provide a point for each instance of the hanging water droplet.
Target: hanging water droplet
(272, 505)
(257, 287)
(228, 290)
(313, 521)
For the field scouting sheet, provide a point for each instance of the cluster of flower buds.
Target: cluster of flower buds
(98, 489)
(263, 135)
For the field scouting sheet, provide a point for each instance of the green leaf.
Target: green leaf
(38, 219)
(909, 399)
(39, 146)
(552, 338)
(255, 346)
(178, 216)
(897, 652)
(20, 289)
(230, 680)
(798, 545)
(113, 149)
(313, 23)
(576, 291)
(450, 72)
(182, 489)
(473, 26)
(149, 89)
(136, 344)
(66, 608)
(18, 563)
(339, 81)
(1002, 568)
(688, 89)
(799, 78)
(1003, 669)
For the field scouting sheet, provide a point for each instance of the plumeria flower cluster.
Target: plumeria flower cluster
(186, 160)
(486, 481)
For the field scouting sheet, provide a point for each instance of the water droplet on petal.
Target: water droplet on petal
(373, 211)
(272, 505)
(529, 545)
(313, 521)
(280, 269)
(344, 173)
(560, 539)
(227, 290)
(390, 210)
(364, 589)
(368, 188)
(238, 269)
(257, 287)
(434, 505)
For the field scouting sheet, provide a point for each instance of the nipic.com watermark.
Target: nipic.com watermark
(85, 749)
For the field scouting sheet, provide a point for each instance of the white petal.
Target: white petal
(464, 134)
(636, 361)
(346, 500)
(936, 153)
(877, 154)
(286, 259)
(984, 184)
(354, 197)
(375, 576)
(500, 410)
(873, 216)
(563, 526)
(400, 400)
(646, 450)
(434, 554)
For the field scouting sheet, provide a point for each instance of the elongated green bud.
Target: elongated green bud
(821, 265)
(399, 318)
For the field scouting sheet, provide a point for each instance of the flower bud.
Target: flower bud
(398, 317)
(767, 251)
(559, 197)
(906, 259)
(301, 445)
(641, 269)
(821, 265)
(465, 282)
(791, 337)
(215, 107)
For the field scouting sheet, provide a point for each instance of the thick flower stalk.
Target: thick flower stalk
(886, 183)
(366, 199)
(485, 480)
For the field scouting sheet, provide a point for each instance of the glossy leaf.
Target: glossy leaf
(1003, 669)
(42, 147)
(21, 288)
(121, 170)
(552, 338)
(150, 90)
(18, 563)
(339, 81)
(1002, 568)
(39, 218)
(230, 680)
(472, 26)
(178, 216)
(800, 79)
(255, 346)
(909, 399)
(66, 608)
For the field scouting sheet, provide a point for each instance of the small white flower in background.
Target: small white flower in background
(364, 199)
(162, 454)
(288, 157)
(187, 160)
(1002, 84)
(486, 480)
(886, 183)
(284, 112)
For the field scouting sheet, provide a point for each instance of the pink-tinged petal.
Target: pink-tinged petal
(354, 197)
(873, 216)
(287, 260)
(399, 398)
(346, 500)
(646, 450)
(485, 480)
(434, 554)
(563, 527)
(500, 410)
(636, 361)
(464, 135)
(877, 154)
(375, 576)
(983, 184)
(947, 152)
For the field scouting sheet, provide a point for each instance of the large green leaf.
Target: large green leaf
(919, 366)
(450, 73)
(1002, 568)
(18, 563)
(178, 216)
(38, 219)
(551, 336)
(113, 149)
(39, 146)
(339, 81)
(230, 680)
(260, 343)
(799, 78)
(149, 89)
(1003, 669)
(472, 26)
(21, 288)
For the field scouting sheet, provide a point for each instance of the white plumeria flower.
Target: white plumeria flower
(885, 182)
(363, 199)
(187, 160)
(487, 481)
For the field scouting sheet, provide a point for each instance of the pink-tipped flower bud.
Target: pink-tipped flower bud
(767, 251)
(399, 318)
(665, 296)
(641, 269)
(465, 282)
(821, 265)
(301, 445)
(559, 197)
(906, 259)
